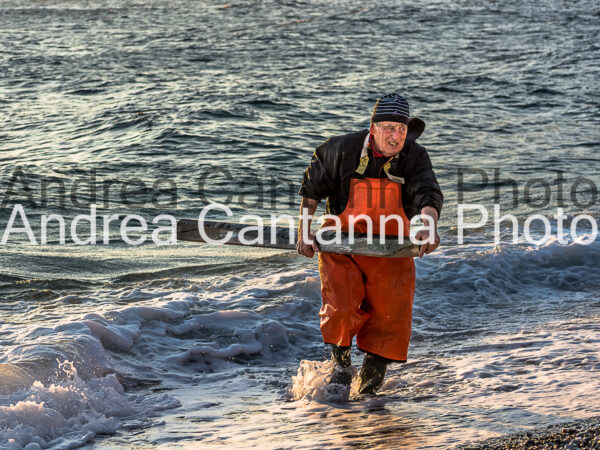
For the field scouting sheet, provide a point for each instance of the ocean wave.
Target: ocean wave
(4, 278)
(265, 316)
(60, 385)
(506, 269)
(71, 412)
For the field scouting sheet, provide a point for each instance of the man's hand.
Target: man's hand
(305, 248)
(424, 235)
(307, 244)
(426, 248)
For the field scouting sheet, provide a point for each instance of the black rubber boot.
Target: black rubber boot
(341, 373)
(372, 373)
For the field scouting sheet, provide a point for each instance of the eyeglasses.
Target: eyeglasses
(389, 128)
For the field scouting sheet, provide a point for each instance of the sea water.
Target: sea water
(161, 107)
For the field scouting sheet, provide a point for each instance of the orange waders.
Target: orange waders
(365, 296)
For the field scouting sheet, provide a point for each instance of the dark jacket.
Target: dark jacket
(334, 164)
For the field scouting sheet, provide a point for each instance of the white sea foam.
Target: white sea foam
(46, 405)
(266, 336)
(312, 383)
(506, 268)
(226, 332)
(462, 392)
(72, 412)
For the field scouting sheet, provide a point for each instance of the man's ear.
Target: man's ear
(372, 128)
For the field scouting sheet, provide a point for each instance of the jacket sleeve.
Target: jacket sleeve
(318, 182)
(422, 186)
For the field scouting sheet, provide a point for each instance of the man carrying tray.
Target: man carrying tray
(380, 173)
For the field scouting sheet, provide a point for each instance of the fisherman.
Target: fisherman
(380, 172)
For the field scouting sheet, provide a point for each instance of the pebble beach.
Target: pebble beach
(580, 434)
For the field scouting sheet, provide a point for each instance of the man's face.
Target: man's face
(388, 137)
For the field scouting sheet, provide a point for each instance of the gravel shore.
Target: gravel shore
(580, 434)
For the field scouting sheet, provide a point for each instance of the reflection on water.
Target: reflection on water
(119, 345)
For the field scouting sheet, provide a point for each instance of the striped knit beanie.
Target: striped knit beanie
(390, 108)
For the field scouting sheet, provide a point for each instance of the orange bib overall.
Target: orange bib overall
(365, 296)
